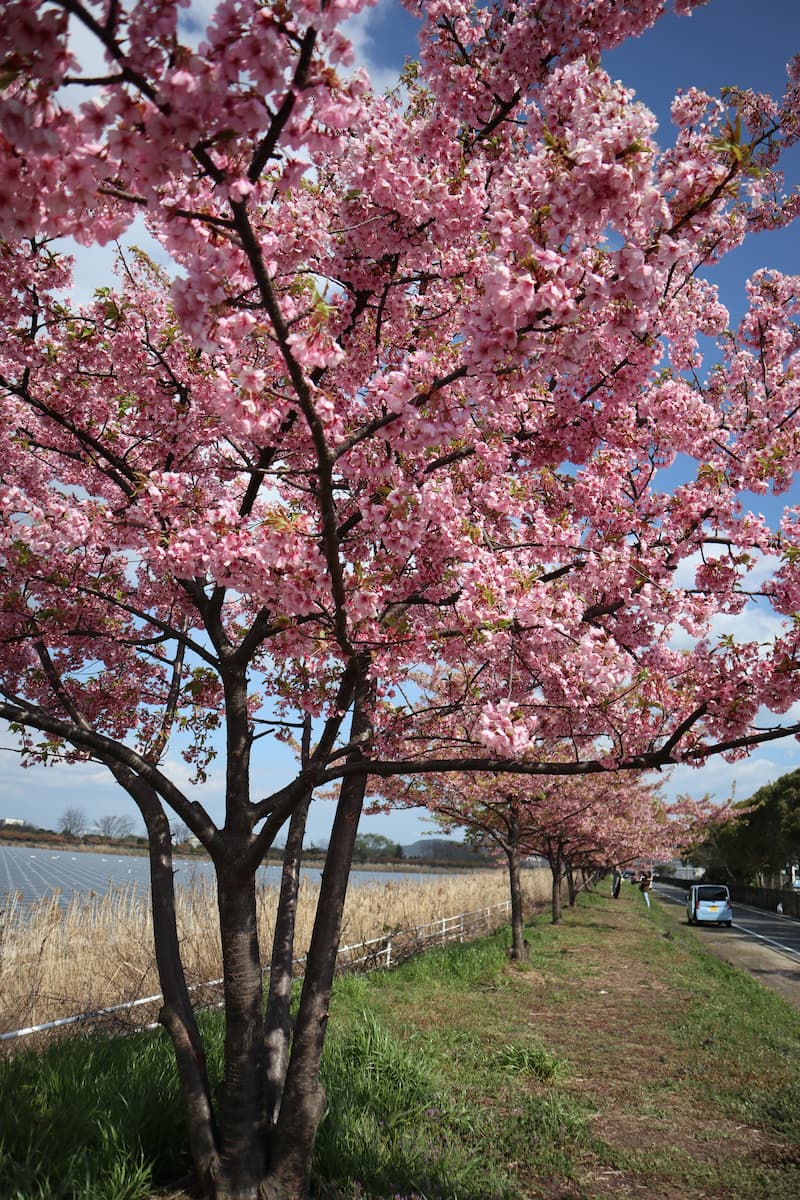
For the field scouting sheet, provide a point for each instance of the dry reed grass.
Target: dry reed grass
(57, 961)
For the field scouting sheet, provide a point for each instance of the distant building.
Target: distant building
(6, 822)
(680, 870)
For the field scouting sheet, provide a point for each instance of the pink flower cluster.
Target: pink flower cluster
(410, 395)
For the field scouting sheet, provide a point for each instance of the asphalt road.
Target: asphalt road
(780, 932)
(765, 944)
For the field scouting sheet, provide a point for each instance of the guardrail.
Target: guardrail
(379, 953)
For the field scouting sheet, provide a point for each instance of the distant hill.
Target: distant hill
(443, 850)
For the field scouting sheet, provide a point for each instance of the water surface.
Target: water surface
(33, 873)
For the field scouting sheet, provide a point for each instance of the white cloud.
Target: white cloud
(41, 794)
(91, 63)
(752, 624)
(723, 780)
(364, 31)
(761, 570)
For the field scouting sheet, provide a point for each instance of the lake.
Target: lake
(33, 873)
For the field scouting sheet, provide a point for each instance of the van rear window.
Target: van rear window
(712, 893)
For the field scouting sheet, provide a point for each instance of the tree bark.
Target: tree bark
(177, 1014)
(277, 1025)
(242, 1104)
(519, 947)
(303, 1102)
(555, 867)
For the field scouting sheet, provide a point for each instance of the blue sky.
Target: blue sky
(728, 42)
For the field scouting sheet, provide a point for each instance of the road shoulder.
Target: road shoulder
(777, 971)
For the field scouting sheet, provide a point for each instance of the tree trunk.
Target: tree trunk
(277, 1024)
(242, 1100)
(572, 887)
(555, 867)
(519, 947)
(177, 1014)
(303, 1102)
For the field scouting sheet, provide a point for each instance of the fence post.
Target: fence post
(388, 952)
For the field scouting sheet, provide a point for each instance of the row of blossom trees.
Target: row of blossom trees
(378, 464)
(582, 826)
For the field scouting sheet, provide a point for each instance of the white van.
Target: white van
(709, 902)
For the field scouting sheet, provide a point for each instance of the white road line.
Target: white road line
(775, 945)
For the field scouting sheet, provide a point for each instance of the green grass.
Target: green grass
(90, 1119)
(529, 1058)
(585, 1072)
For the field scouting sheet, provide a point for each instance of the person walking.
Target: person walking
(644, 887)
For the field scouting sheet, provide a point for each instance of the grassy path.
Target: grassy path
(621, 1060)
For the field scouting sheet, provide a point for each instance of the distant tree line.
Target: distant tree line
(762, 843)
(73, 825)
(374, 847)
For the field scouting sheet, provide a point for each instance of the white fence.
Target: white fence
(376, 954)
(393, 948)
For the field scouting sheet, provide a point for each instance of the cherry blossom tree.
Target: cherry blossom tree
(585, 825)
(580, 825)
(401, 401)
